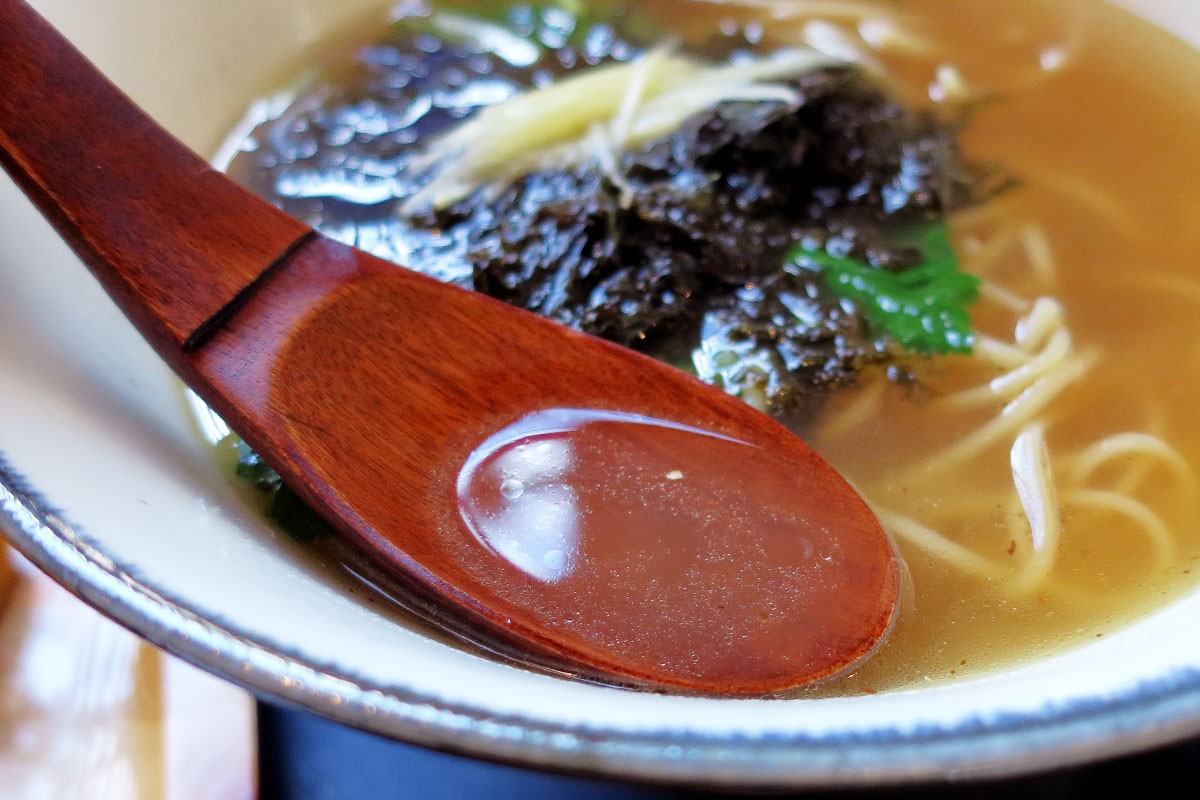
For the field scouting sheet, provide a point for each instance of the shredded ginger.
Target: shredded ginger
(593, 116)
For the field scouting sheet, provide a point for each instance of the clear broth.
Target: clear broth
(1094, 112)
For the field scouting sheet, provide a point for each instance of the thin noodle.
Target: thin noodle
(1043, 319)
(1003, 297)
(1153, 526)
(1041, 257)
(982, 261)
(1012, 418)
(931, 541)
(995, 210)
(1034, 574)
(976, 397)
(1035, 492)
(1030, 461)
(999, 354)
(1086, 193)
(1018, 379)
(1123, 445)
(1050, 358)
(1138, 472)
(857, 413)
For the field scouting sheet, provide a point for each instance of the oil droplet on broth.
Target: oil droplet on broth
(678, 550)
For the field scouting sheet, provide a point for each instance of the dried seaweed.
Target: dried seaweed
(697, 249)
(688, 254)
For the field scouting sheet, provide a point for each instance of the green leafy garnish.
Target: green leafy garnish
(283, 505)
(922, 307)
(297, 518)
(254, 470)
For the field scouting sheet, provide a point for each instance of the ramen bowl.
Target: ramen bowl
(108, 484)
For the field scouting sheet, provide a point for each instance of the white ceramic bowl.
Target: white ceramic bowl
(105, 484)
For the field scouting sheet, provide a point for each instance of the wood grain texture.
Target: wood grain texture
(367, 386)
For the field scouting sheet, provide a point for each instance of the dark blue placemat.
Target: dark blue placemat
(304, 757)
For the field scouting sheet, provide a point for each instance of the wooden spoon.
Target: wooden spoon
(584, 505)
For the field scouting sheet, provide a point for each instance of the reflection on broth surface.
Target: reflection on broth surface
(635, 530)
(1041, 487)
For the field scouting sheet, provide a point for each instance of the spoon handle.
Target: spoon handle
(167, 236)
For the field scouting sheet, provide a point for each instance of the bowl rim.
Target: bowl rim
(1155, 712)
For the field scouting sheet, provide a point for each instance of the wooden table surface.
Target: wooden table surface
(88, 710)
